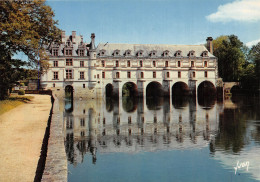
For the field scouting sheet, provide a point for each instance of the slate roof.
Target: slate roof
(148, 48)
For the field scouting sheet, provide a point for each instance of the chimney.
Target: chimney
(73, 37)
(63, 37)
(92, 44)
(210, 44)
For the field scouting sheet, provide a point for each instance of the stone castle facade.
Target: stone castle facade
(91, 70)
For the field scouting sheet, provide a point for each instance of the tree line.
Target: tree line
(237, 62)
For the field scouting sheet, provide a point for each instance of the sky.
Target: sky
(159, 21)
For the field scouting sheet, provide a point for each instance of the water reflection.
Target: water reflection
(133, 125)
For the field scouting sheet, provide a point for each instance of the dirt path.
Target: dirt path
(22, 130)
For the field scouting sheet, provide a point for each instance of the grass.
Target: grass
(13, 101)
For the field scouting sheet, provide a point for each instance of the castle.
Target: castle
(93, 72)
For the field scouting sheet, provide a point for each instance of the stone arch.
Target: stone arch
(180, 89)
(130, 89)
(69, 92)
(109, 90)
(154, 89)
(206, 94)
(206, 88)
(69, 98)
(129, 104)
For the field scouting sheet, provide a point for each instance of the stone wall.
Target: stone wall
(56, 161)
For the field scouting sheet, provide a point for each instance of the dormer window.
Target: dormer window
(205, 54)
(102, 52)
(81, 52)
(178, 53)
(55, 52)
(153, 53)
(191, 54)
(128, 52)
(116, 52)
(140, 53)
(165, 53)
(68, 43)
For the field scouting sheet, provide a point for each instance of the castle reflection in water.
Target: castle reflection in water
(137, 125)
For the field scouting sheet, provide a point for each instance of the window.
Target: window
(178, 53)
(192, 54)
(128, 64)
(84, 86)
(141, 63)
(128, 74)
(69, 62)
(205, 74)
(81, 63)
(205, 64)
(154, 64)
(179, 64)
(205, 54)
(192, 63)
(55, 75)
(179, 74)
(117, 64)
(155, 119)
(55, 52)
(68, 74)
(97, 75)
(142, 75)
(68, 52)
(103, 74)
(193, 74)
(103, 63)
(55, 63)
(154, 74)
(117, 75)
(53, 85)
(81, 74)
(166, 63)
(81, 52)
(168, 74)
(104, 121)
(82, 122)
(129, 119)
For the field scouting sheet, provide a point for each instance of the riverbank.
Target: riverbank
(13, 101)
(22, 131)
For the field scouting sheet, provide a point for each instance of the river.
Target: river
(183, 139)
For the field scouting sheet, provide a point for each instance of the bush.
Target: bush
(21, 92)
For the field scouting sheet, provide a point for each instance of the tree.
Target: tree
(28, 27)
(255, 55)
(231, 59)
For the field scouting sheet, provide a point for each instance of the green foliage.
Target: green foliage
(28, 27)
(21, 92)
(237, 62)
(229, 51)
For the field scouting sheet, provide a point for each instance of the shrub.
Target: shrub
(21, 92)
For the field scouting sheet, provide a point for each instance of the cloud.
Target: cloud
(251, 43)
(239, 10)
